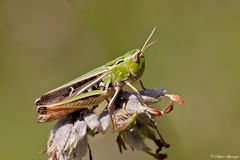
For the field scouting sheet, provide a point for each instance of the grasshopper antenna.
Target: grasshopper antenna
(146, 45)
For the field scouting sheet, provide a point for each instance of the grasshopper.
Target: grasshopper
(92, 88)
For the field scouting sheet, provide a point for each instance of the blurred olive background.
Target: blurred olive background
(44, 44)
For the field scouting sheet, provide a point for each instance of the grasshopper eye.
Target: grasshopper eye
(135, 56)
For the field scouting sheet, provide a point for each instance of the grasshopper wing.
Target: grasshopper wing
(58, 110)
(74, 87)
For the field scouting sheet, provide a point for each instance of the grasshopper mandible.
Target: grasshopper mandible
(92, 88)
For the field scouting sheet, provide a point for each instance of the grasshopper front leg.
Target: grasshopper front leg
(141, 84)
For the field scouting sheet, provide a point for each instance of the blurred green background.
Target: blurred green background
(44, 44)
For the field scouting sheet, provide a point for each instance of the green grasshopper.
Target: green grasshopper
(92, 88)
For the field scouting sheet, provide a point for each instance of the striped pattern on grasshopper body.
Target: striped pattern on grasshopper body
(86, 100)
(94, 87)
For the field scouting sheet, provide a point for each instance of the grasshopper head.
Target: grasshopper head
(139, 53)
(131, 63)
(137, 64)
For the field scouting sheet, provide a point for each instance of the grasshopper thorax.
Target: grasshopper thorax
(130, 66)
